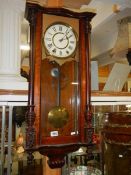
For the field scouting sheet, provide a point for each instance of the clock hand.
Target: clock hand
(65, 38)
(65, 35)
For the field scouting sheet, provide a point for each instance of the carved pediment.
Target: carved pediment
(64, 3)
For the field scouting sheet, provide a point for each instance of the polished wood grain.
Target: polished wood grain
(118, 128)
(109, 93)
(13, 92)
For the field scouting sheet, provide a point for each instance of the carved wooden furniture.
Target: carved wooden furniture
(59, 115)
(117, 136)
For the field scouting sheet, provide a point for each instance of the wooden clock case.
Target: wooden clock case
(40, 98)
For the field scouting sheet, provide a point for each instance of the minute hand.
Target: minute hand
(66, 33)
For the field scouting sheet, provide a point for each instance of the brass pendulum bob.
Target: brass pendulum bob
(58, 115)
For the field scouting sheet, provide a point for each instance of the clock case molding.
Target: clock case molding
(56, 148)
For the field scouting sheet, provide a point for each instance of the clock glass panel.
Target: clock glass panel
(59, 77)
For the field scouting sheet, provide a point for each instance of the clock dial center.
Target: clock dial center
(60, 41)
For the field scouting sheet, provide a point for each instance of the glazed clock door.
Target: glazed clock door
(59, 79)
(60, 99)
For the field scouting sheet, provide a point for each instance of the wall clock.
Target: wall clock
(59, 94)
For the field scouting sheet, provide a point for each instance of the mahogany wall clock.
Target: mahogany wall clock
(59, 93)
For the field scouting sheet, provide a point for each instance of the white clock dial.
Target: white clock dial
(60, 40)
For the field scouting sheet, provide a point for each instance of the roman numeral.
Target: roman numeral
(72, 42)
(67, 51)
(60, 52)
(48, 39)
(70, 47)
(54, 29)
(70, 36)
(49, 45)
(54, 50)
(60, 28)
(50, 33)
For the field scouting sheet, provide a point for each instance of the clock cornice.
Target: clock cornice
(71, 13)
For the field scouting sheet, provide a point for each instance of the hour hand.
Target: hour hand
(65, 35)
(63, 38)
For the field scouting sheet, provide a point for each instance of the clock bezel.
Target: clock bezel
(72, 55)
